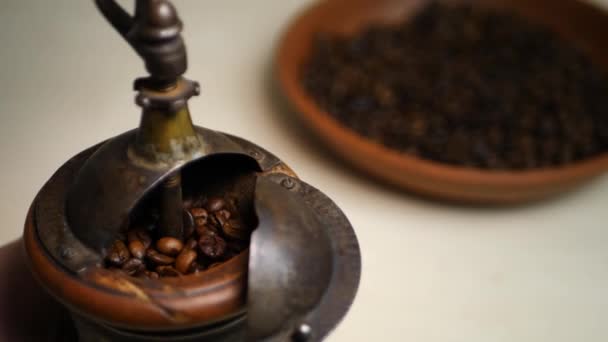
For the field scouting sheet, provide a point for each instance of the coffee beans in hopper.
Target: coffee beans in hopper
(464, 86)
(118, 254)
(169, 246)
(184, 261)
(214, 233)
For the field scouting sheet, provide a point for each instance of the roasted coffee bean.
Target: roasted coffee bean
(199, 213)
(235, 230)
(169, 246)
(133, 266)
(190, 244)
(212, 246)
(158, 258)
(151, 274)
(137, 249)
(214, 222)
(203, 230)
(118, 253)
(222, 216)
(428, 87)
(184, 260)
(140, 235)
(167, 271)
(214, 204)
(200, 222)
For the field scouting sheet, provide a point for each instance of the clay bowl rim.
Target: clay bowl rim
(332, 132)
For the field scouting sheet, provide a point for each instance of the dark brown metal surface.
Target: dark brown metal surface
(346, 258)
(154, 33)
(165, 99)
(52, 228)
(337, 298)
(171, 207)
(290, 261)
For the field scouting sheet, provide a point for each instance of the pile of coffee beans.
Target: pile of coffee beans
(464, 86)
(213, 232)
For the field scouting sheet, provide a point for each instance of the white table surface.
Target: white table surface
(431, 272)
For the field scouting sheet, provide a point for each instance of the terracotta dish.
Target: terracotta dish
(582, 24)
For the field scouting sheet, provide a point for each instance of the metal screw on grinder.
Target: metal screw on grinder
(288, 183)
(302, 334)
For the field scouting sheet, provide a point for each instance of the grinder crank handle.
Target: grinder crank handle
(154, 32)
(116, 16)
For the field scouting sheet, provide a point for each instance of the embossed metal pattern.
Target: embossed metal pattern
(346, 267)
(290, 261)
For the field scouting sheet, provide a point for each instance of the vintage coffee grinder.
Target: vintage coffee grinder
(294, 282)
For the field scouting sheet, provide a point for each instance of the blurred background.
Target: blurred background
(431, 272)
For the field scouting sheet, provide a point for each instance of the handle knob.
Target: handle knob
(154, 32)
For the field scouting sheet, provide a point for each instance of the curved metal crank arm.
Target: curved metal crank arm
(120, 19)
(154, 32)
